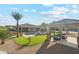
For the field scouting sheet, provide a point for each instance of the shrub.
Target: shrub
(3, 34)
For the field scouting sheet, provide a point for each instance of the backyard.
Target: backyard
(32, 44)
(29, 34)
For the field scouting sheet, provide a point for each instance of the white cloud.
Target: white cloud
(74, 11)
(47, 4)
(59, 17)
(74, 6)
(56, 17)
(1, 16)
(65, 16)
(26, 10)
(13, 8)
(33, 10)
(56, 11)
(49, 12)
(6, 20)
(4, 17)
(60, 9)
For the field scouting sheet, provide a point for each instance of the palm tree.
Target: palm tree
(17, 16)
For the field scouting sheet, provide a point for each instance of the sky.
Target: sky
(38, 13)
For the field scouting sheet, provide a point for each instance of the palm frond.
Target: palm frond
(16, 15)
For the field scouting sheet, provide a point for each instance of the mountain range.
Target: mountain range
(64, 21)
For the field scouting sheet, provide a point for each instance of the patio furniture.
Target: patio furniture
(63, 36)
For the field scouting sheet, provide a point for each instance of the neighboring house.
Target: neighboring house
(70, 24)
(11, 27)
(24, 28)
(64, 23)
(32, 28)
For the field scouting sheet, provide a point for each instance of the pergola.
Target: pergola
(65, 26)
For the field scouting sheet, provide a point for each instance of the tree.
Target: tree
(3, 34)
(17, 16)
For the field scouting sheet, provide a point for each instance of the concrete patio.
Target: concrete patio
(71, 41)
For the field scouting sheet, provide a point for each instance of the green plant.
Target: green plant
(3, 34)
(17, 16)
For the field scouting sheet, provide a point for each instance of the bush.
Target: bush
(3, 33)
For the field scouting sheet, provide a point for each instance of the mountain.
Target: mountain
(64, 21)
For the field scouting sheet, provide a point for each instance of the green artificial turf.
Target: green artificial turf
(37, 39)
(21, 40)
(34, 40)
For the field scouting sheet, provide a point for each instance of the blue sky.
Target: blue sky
(38, 13)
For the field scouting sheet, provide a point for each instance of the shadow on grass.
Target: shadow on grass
(57, 49)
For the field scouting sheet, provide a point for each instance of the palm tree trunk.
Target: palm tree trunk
(17, 29)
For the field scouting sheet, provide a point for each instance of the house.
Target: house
(64, 23)
(24, 28)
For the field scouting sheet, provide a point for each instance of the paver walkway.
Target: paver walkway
(57, 48)
(12, 48)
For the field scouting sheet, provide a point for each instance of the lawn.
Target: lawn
(34, 40)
